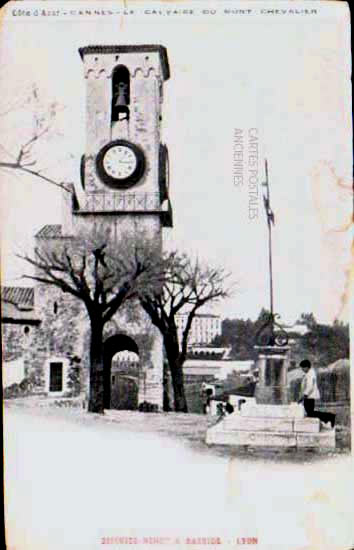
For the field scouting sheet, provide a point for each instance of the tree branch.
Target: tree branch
(54, 281)
(36, 173)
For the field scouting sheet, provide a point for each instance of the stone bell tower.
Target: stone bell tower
(124, 175)
(124, 170)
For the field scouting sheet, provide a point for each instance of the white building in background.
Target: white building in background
(205, 327)
(125, 359)
(220, 369)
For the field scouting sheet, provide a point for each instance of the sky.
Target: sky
(282, 84)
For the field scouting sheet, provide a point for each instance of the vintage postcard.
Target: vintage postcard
(176, 270)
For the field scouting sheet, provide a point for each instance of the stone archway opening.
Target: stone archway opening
(121, 369)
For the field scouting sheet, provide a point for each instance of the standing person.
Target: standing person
(207, 401)
(310, 392)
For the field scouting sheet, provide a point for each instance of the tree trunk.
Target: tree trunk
(180, 402)
(176, 368)
(96, 397)
(166, 390)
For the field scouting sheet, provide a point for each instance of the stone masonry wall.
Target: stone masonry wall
(59, 334)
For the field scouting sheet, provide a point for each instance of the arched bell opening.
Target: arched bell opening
(120, 94)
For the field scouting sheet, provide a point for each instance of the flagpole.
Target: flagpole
(271, 333)
(269, 243)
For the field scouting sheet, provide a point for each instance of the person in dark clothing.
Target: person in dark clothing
(208, 397)
(220, 409)
(229, 408)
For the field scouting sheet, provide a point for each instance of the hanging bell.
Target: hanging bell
(121, 95)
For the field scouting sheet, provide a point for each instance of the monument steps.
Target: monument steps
(238, 422)
(325, 439)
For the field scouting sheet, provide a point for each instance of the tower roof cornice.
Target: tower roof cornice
(143, 48)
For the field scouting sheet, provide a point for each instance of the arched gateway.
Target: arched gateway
(121, 386)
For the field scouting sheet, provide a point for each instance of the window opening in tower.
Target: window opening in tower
(120, 94)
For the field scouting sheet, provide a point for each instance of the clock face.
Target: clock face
(120, 164)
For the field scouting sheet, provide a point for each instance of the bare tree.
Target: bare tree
(104, 275)
(22, 155)
(187, 286)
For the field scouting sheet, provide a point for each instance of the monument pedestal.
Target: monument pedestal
(272, 364)
(271, 426)
(271, 421)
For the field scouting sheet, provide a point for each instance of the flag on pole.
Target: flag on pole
(269, 211)
(266, 199)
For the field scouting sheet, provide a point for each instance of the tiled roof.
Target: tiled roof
(18, 295)
(49, 232)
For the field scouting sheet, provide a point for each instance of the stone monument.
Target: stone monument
(270, 419)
